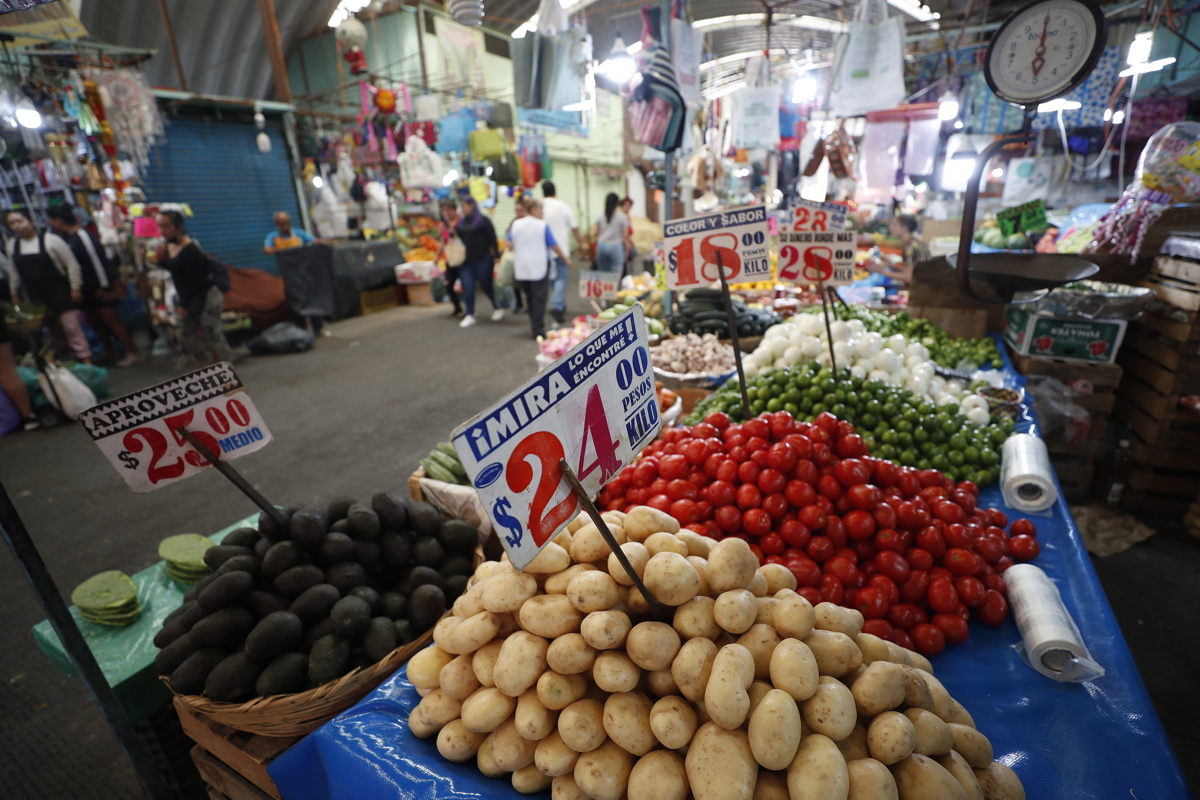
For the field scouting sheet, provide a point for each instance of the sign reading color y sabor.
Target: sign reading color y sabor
(595, 407)
(691, 247)
(139, 433)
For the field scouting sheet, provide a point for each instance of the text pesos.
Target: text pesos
(117, 416)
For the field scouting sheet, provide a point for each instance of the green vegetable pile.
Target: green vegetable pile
(944, 349)
(702, 311)
(442, 464)
(895, 423)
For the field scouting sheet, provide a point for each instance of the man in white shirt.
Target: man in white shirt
(532, 242)
(561, 220)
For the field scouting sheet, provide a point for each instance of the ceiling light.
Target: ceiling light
(804, 90)
(1152, 66)
(1058, 105)
(748, 20)
(317, 182)
(619, 66)
(582, 105)
(915, 10)
(947, 106)
(27, 115)
(634, 48)
(998, 172)
(450, 177)
(1139, 48)
(1107, 114)
(712, 93)
(958, 124)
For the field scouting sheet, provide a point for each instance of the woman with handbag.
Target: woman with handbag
(611, 234)
(479, 237)
(453, 250)
(200, 301)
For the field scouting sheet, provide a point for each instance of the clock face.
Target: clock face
(1044, 50)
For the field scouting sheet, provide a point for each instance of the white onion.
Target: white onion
(979, 416)
(880, 375)
(887, 360)
(954, 387)
(858, 371)
(840, 331)
(812, 347)
(792, 355)
(974, 401)
(897, 342)
(778, 345)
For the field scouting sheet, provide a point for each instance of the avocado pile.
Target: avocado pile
(288, 609)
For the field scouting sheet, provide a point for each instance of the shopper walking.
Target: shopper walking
(611, 233)
(10, 381)
(561, 219)
(456, 254)
(519, 210)
(479, 237)
(103, 290)
(200, 301)
(533, 242)
(45, 268)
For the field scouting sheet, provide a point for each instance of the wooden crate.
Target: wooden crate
(1176, 281)
(1074, 476)
(1175, 429)
(223, 781)
(419, 294)
(1161, 378)
(1102, 376)
(1154, 504)
(1183, 326)
(1175, 355)
(1166, 480)
(373, 300)
(243, 756)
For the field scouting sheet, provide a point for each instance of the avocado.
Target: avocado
(329, 659)
(250, 564)
(308, 527)
(404, 631)
(295, 580)
(424, 519)
(174, 654)
(194, 592)
(269, 528)
(169, 632)
(274, 635)
(346, 575)
(395, 549)
(287, 674)
(318, 631)
(421, 576)
(314, 603)
(281, 557)
(338, 507)
(458, 535)
(455, 586)
(263, 603)
(379, 638)
(227, 627)
(393, 605)
(363, 523)
(241, 537)
(428, 552)
(391, 510)
(230, 589)
(335, 547)
(233, 679)
(341, 526)
(189, 677)
(215, 556)
(368, 594)
(350, 616)
(426, 605)
(366, 552)
(187, 615)
(457, 564)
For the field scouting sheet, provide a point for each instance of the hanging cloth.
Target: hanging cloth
(657, 110)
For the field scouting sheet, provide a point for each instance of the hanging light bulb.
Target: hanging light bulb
(263, 141)
(317, 182)
(947, 106)
(619, 66)
(27, 115)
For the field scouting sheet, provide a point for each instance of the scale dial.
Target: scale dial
(1044, 50)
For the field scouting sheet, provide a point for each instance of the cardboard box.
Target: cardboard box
(1095, 341)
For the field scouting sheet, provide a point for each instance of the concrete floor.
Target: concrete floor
(354, 416)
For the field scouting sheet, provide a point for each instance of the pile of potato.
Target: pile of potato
(562, 677)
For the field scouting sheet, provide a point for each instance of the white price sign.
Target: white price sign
(814, 248)
(139, 433)
(739, 236)
(596, 284)
(594, 407)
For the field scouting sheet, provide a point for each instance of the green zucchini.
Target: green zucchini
(437, 472)
(451, 465)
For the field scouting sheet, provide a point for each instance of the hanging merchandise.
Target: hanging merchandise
(656, 108)
(429, 108)
(502, 115)
(485, 144)
(563, 66)
(1151, 113)
(455, 131)
(526, 92)
(420, 167)
(880, 160)
(1027, 179)
(131, 110)
(425, 130)
(483, 190)
(377, 105)
(868, 62)
(687, 45)
(506, 170)
(920, 152)
(756, 108)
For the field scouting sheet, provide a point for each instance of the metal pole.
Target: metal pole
(162, 6)
(828, 328)
(23, 549)
(733, 334)
(421, 44)
(235, 478)
(668, 155)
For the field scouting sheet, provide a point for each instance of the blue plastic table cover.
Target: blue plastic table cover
(1101, 739)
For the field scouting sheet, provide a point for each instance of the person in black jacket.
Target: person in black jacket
(200, 301)
(479, 237)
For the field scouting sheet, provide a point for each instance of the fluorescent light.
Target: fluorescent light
(721, 91)
(1058, 105)
(747, 20)
(27, 115)
(634, 48)
(1139, 48)
(741, 173)
(1153, 66)
(344, 9)
(947, 107)
(915, 10)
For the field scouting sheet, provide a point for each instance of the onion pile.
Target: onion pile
(691, 354)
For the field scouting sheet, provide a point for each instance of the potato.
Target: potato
(470, 602)
(836, 618)
(442, 632)
(605, 630)
(457, 679)
(432, 713)
(507, 592)
(731, 565)
(425, 667)
(900, 655)
(578, 522)
(487, 569)
(564, 787)
(556, 691)
(921, 778)
(508, 625)
(774, 730)
(793, 669)
(919, 661)
(872, 648)
(533, 719)
(693, 666)
(637, 555)
(483, 760)
(642, 521)
(736, 610)
(998, 782)
(830, 711)
(917, 693)
(613, 517)
(528, 780)
(854, 746)
(521, 662)
(664, 543)
(761, 640)
(891, 737)
(836, 653)
(972, 745)
(588, 545)
(661, 683)
(934, 737)
(870, 780)
(766, 611)
(484, 711)
(961, 715)
(794, 617)
(563, 540)
(757, 691)
(475, 631)
(483, 662)
(615, 672)
(725, 696)
(694, 618)
(550, 615)
(593, 591)
(778, 577)
(627, 722)
(633, 601)
(661, 775)
(652, 645)
(552, 756)
(570, 654)
(552, 559)
(880, 687)
(701, 565)
(943, 706)
(558, 583)
(670, 578)
(603, 773)
(697, 545)
(456, 743)
(720, 764)
(510, 750)
(581, 725)
(818, 771)
(957, 766)
(673, 722)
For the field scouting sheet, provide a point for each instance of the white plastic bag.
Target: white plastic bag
(420, 167)
(868, 62)
(756, 117)
(76, 397)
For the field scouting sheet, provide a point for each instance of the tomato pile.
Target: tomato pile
(911, 549)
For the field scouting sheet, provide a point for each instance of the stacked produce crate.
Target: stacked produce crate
(233, 764)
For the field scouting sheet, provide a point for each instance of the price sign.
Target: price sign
(594, 407)
(814, 248)
(596, 284)
(739, 236)
(139, 433)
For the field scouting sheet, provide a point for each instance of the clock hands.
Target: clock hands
(1039, 60)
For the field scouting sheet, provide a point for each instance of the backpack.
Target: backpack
(218, 273)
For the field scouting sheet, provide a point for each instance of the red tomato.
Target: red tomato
(682, 490)
(673, 467)
(822, 455)
(908, 515)
(903, 615)
(828, 486)
(1022, 547)
(931, 493)
(893, 565)
(810, 593)
(738, 453)
(713, 463)
(994, 609)
(782, 423)
(757, 427)
(819, 549)
(846, 553)
(771, 481)
(989, 548)
(916, 587)
(902, 639)
(826, 422)
(658, 486)
(728, 471)
(686, 511)
(772, 544)
(949, 512)
(887, 585)
(864, 496)
(704, 430)
(970, 591)
(756, 522)
(645, 472)
(969, 487)
(929, 639)
(996, 517)
(842, 506)
(929, 477)
(807, 572)
(782, 456)
(728, 519)
(698, 479)
(850, 471)
(961, 562)
(953, 627)
(871, 602)
(859, 525)
(995, 583)
(776, 505)
(620, 504)
(720, 493)
(695, 451)
(706, 510)
(748, 496)
(865, 549)
(942, 596)
(965, 500)
(756, 443)
(812, 517)
(931, 540)
(1003, 564)
(795, 533)
(877, 627)
(801, 444)
(840, 567)
(888, 539)
(806, 471)
(885, 515)
(957, 536)
(918, 559)
(718, 420)
(748, 472)
(799, 493)
(908, 483)
(637, 497)
(831, 590)
(1023, 527)
(758, 553)
(735, 440)
(851, 446)
(822, 502)
(760, 457)
(661, 502)
(943, 573)
(885, 474)
(835, 531)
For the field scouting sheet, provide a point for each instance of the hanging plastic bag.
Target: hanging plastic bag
(868, 62)
(73, 393)
(455, 252)
(485, 144)
(505, 268)
(420, 167)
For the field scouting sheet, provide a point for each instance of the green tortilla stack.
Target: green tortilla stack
(109, 598)
(184, 557)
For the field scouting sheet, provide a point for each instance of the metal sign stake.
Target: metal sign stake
(828, 329)
(235, 478)
(733, 334)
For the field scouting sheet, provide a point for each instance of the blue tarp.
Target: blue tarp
(1099, 740)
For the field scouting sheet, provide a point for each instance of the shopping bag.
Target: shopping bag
(506, 171)
(531, 172)
(454, 135)
(502, 115)
(868, 62)
(505, 274)
(420, 167)
(429, 108)
(486, 144)
(455, 252)
(73, 393)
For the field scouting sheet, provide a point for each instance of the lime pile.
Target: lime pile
(184, 557)
(109, 598)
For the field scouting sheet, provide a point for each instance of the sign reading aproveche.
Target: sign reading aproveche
(139, 433)
(740, 237)
(814, 247)
(595, 407)
(597, 284)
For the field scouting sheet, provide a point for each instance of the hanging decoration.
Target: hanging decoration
(378, 104)
(128, 104)
(352, 36)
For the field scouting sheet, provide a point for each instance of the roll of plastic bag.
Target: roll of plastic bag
(1050, 641)
(1026, 477)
